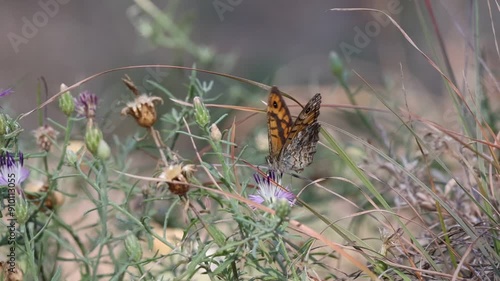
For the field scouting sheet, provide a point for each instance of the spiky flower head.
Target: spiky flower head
(86, 105)
(12, 172)
(270, 190)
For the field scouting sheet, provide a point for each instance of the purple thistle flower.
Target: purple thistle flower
(270, 189)
(86, 104)
(12, 171)
(6, 92)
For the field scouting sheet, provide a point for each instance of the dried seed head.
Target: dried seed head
(178, 173)
(44, 136)
(143, 110)
(10, 273)
(37, 190)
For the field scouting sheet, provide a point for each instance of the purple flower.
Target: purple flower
(11, 170)
(86, 104)
(270, 189)
(6, 92)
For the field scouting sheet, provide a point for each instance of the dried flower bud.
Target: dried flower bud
(66, 101)
(143, 110)
(93, 137)
(133, 247)
(215, 133)
(44, 136)
(201, 113)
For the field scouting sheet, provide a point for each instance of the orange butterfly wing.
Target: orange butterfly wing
(279, 122)
(291, 144)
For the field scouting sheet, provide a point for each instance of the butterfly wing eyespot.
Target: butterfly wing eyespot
(279, 122)
(292, 144)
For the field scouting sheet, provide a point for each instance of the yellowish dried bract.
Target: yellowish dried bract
(143, 109)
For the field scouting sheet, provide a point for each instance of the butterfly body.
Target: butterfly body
(292, 144)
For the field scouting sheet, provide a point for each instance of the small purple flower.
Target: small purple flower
(6, 92)
(12, 171)
(270, 189)
(86, 104)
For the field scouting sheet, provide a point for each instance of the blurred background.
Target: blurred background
(286, 43)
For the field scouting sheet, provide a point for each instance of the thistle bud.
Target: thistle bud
(93, 137)
(282, 208)
(215, 133)
(103, 150)
(133, 248)
(71, 156)
(3, 124)
(22, 207)
(336, 65)
(66, 101)
(201, 113)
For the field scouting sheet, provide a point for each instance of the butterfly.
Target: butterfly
(291, 144)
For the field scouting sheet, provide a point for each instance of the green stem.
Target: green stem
(30, 253)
